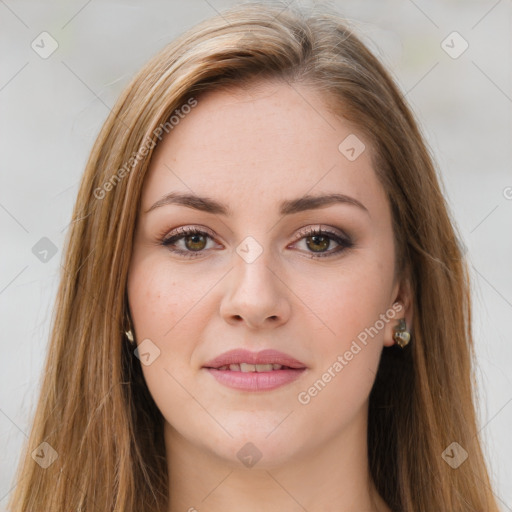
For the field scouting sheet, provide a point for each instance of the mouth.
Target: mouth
(247, 367)
(248, 371)
(240, 360)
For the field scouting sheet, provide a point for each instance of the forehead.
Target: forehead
(263, 144)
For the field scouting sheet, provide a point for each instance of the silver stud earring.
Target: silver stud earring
(129, 335)
(129, 332)
(401, 336)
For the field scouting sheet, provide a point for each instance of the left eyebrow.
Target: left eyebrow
(314, 202)
(287, 207)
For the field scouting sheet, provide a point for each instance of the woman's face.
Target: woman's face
(259, 277)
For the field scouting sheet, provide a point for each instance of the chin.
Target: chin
(256, 453)
(260, 448)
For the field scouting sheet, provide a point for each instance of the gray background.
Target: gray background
(52, 109)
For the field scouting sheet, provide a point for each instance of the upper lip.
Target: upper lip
(268, 356)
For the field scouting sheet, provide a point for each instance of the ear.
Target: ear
(401, 306)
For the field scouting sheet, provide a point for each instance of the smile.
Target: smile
(247, 367)
(254, 371)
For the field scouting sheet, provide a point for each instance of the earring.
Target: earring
(129, 335)
(402, 336)
(129, 332)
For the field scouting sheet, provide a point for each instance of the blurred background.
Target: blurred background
(63, 65)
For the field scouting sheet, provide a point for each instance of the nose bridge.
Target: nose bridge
(254, 292)
(253, 276)
(252, 258)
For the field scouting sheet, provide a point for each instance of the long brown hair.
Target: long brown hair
(94, 408)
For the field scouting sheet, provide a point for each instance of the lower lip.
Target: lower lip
(256, 381)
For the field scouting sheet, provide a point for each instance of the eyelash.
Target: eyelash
(344, 243)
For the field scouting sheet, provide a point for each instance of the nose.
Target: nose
(256, 295)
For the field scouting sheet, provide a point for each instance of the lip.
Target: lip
(268, 356)
(255, 381)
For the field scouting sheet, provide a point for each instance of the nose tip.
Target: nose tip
(254, 296)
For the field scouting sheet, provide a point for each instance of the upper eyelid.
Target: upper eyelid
(183, 231)
(324, 229)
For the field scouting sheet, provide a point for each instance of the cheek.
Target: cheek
(349, 301)
(166, 310)
(351, 306)
(348, 351)
(161, 298)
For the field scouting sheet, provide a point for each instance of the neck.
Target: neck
(334, 478)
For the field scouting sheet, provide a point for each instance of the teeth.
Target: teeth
(264, 368)
(246, 367)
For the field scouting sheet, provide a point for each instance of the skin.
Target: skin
(251, 149)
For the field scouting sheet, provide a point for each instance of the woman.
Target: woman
(263, 304)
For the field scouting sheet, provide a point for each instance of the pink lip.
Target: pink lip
(255, 381)
(268, 356)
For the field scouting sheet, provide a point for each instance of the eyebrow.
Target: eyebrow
(287, 207)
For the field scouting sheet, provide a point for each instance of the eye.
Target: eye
(318, 240)
(194, 242)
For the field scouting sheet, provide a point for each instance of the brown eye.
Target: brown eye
(193, 242)
(318, 243)
(197, 242)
